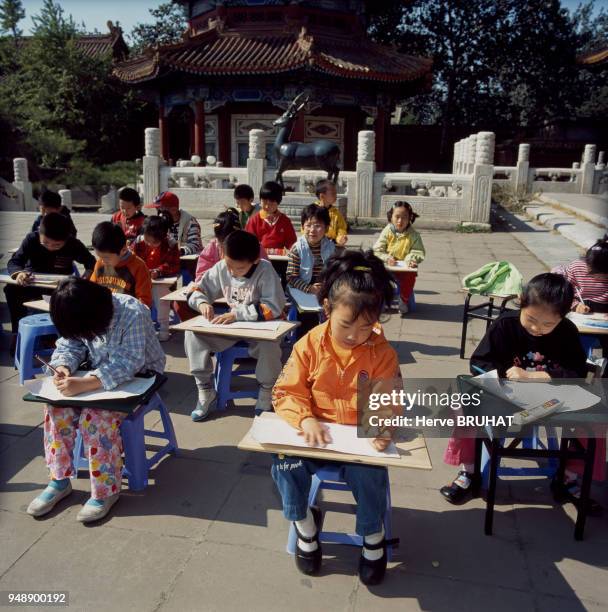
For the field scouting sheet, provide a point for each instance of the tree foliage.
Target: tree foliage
(497, 62)
(170, 21)
(11, 13)
(61, 106)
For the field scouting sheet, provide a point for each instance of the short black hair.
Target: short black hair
(402, 204)
(50, 199)
(271, 191)
(548, 289)
(358, 280)
(156, 227)
(108, 238)
(323, 186)
(243, 191)
(596, 257)
(242, 246)
(128, 194)
(55, 226)
(80, 309)
(314, 211)
(226, 223)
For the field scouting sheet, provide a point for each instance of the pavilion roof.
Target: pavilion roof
(238, 52)
(594, 58)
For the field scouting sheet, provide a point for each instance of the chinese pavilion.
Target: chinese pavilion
(241, 62)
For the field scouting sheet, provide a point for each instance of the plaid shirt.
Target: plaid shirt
(129, 346)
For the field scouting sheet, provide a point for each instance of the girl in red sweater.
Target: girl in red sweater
(161, 255)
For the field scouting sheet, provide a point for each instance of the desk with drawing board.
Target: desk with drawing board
(413, 453)
(283, 328)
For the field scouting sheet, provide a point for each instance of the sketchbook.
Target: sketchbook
(269, 428)
(530, 394)
(589, 320)
(46, 389)
(306, 302)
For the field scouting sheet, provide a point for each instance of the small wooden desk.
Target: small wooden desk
(412, 453)
(192, 257)
(240, 334)
(278, 257)
(5, 278)
(167, 280)
(41, 305)
(401, 269)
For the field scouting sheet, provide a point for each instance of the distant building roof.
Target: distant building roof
(103, 45)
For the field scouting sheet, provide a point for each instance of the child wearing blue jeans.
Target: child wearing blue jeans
(319, 383)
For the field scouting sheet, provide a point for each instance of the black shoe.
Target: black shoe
(571, 492)
(309, 563)
(372, 572)
(454, 493)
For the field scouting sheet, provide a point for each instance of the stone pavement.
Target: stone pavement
(208, 534)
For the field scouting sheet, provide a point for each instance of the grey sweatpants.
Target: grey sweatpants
(199, 348)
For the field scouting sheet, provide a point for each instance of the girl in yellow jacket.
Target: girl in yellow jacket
(400, 244)
(320, 383)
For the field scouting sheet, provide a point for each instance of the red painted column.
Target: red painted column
(381, 134)
(297, 133)
(199, 128)
(223, 124)
(164, 133)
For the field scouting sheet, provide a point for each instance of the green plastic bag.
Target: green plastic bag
(496, 277)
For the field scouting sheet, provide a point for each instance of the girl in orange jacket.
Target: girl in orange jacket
(320, 383)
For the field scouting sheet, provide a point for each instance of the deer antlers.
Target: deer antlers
(294, 105)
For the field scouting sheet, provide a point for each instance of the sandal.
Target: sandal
(309, 563)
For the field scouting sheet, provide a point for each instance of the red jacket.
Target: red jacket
(164, 258)
(280, 235)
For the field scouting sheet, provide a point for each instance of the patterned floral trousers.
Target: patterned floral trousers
(100, 431)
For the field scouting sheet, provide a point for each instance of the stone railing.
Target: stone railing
(583, 177)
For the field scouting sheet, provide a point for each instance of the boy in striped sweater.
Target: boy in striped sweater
(308, 257)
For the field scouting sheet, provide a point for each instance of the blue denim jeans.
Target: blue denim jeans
(293, 477)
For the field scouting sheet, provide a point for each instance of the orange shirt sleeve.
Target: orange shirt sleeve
(95, 274)
(143, 284)
(291, 395)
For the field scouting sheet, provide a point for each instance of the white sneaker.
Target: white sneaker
(93, 512)
(207, 401)
(403, 307)
(264, 401)
(47, 500)
(164, 335)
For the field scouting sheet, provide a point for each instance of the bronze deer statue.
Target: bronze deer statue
(319, 154)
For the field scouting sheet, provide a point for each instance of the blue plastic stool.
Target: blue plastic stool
(589, 343)
(330, 477)
(549, 470)
(137, 465)
(223, 374)
(31, 328)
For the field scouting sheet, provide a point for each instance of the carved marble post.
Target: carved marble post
(471, 152)
(483, 171)
(523, 168)
(256, 160)
(575, 166)
(66, 197)
(22, 183)
(601, 161)
(151, 164)
(366, 167)
(588, 169)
